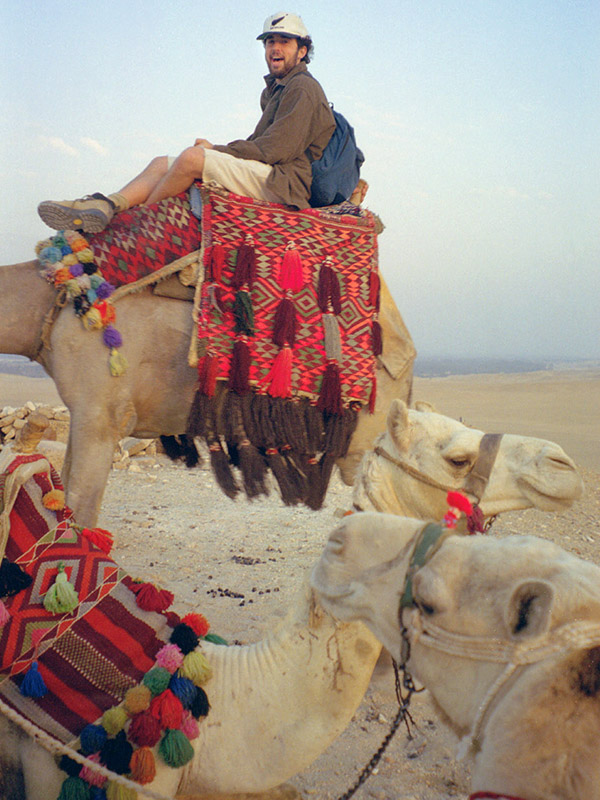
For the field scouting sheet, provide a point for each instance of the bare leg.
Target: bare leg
(137, 191)
(187, 167)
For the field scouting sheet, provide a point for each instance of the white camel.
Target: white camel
(504, 633)
(277, 704)
(155, 395)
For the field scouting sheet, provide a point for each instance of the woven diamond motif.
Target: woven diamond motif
(350, 240)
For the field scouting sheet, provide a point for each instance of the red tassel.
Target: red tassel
(373, 396)
(245, 268)
(239, 370)
(101, 538)
(330, 397)
(376, 338)
(284, 324)
(328, 289)
(144, 730)
(216, 261)
(150, 598)
(197, 623)
(280, 374)
(291, 277)
(374, 284)
(208, 369)
(167, 709)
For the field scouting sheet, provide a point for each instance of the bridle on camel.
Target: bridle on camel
(477, 478)
(516, 656)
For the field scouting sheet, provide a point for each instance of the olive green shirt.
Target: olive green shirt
(294, 129)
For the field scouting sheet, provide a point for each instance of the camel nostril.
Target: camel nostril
(561, 463)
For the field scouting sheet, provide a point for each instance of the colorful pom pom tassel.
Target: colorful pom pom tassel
(74, 789)
(137, 699)
(291, 276)
(143, 767)
(175, 749)
(150, 598)
(116, 791)
(103, 539)
(144, 730)
(33, 684)
(54, 500)
(169, 657)
(197, 622)
(157, 680)
(90, 775)
(61, 597)
(92, 738)
(196, 668)
(167, 709)
(13, 578)
(117, 364)
(114, 719)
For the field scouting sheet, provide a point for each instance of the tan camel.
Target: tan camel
(155, 394)
(311, 665)
(422, 454)
(504, 633)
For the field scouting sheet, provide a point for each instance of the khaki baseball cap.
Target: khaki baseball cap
(285, 25)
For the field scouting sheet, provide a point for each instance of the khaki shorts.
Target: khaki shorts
(239, 175)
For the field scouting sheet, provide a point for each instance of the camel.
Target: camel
(311, 665)
(155, 395)
(503, 632)
(422, 454)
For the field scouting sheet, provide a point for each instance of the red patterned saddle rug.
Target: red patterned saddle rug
(288, 334)
(90, 657)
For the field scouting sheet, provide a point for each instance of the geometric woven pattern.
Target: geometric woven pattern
(90, 657)
(351, 242)
(145, 238)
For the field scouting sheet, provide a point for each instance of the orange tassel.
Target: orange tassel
(280, 374)
(291, 277)
(142, 766)
(54, 500)
(197, 622)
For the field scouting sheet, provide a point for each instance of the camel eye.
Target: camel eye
(459, 463)
(425, 608)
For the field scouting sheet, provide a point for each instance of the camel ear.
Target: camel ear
(529, 609)
(423, 405)
(397, 423)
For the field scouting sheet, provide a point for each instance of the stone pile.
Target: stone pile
(13, 419)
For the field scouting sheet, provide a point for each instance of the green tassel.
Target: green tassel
(215, 638)
(157, 680)
(61, 598)
(74, 789)
(175, 748)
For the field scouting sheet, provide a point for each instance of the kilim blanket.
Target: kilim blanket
(90, 657)
(347, 242)
(287, 304)
(142, 240)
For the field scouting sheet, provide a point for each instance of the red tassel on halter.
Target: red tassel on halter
(376, 338)
(239, 370)
(216, 261)
(150, 598)
(284, 324)
(280, 374)
(328, 289)
(103, 539)
(208, 368)
(291, 277)
(374, 284)
(245, 268)
(330, 397)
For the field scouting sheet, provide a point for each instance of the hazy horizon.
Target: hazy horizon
(479, 121)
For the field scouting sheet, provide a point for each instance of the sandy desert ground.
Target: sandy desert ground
(240, 563)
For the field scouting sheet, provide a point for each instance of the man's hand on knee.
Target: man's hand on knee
(203, 143)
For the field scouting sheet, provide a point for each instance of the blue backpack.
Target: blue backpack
(336, 173)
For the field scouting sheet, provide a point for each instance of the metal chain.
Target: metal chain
(402, 715)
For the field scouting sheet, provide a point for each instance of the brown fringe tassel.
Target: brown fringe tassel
(279, 468)
(239, 369)
(242, 452)
(376, 338)
(328, 289)
(330, 396)
(222, 470)
(245, 267)
(319, 481)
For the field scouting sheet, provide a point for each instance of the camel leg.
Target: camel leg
(93, 437)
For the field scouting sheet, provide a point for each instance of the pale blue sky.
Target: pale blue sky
(479, 120)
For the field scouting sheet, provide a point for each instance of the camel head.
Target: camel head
(504, 633)
(422, 454)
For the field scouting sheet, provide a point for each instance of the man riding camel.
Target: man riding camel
(272, 164)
